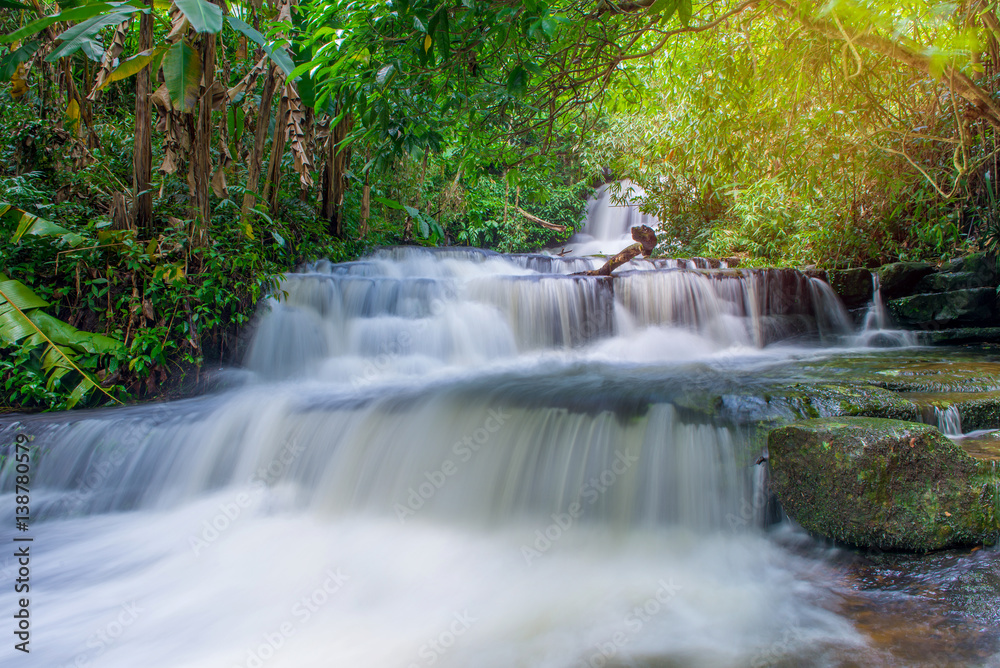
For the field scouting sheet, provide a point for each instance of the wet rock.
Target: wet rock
(982, 412)
(883, 484)
(946, 282)
(853, 286)
(960, 336)
(977, 263)
(900, 278)
(970, 307)
(826, 400)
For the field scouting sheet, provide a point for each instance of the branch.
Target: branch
(543, 223)
(647, 242)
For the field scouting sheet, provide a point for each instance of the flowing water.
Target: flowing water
(457, 458)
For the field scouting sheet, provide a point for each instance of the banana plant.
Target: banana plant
(24, 323)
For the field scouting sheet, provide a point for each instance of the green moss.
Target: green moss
(886, 484)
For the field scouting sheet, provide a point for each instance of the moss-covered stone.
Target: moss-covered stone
(946, 282)
(960, 336)
(982, 412)
(884, 484)
(900, 278)
(976, 263)
(828, 399)
(853, 286)
(974, 307)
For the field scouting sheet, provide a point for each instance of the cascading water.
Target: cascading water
(444, 458)
(610, 220)
(877, 328)
(949, 420)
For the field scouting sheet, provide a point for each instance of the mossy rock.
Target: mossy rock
(982, 412)
(980, 264)
(971, 307)
(900, 278)
(884, 484)
(827, 399)
(946, 282)
(853, 286)
(960, 336)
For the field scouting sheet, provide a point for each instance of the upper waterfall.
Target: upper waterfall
(612, 212)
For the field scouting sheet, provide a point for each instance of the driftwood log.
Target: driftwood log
(536, 219)
(646, 239)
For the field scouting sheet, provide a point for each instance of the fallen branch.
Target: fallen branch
(543, 223)
(646, 239)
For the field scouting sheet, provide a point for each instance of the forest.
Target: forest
(163, 161)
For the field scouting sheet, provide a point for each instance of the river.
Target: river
(457, 458)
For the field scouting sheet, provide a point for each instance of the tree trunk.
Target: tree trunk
(142, 155)
(647, 242)
(338, 159)
(201, 156)
(272, 187)
(260, 139)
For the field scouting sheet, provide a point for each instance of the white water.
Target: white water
(949, 421)
(878, 328)
(445, 458)
(610, 222)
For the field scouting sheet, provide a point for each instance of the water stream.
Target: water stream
(457, 458)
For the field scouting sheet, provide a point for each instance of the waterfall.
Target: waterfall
(609, 223)
(446, 457)
(949, 420)
(877, 327)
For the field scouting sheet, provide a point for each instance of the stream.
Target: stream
(452, 457)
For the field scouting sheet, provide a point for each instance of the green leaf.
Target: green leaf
(29, 223)
(10, 4)
(517, 81)
(9, 63)
(423, 227)
(79, 392)
(279, 55)
(384, 74)
(684, 11)
(411, 212)
(392, 204)
(82, 35)
(20, 295)
(69, 16)
(182, 75)
(65, 334)
(134, 65)
(203, 15)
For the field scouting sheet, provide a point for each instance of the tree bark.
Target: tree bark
(338, 159)
(202, 157)
(260, 139)
(646, 239)
(272, 187)
(142, 153)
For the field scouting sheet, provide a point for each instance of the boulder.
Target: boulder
(853, 286)
(883, 484)
(976, 263)
(946, 282)
(900, 278)
(980, 412)
(960, 336)
(973, 307)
